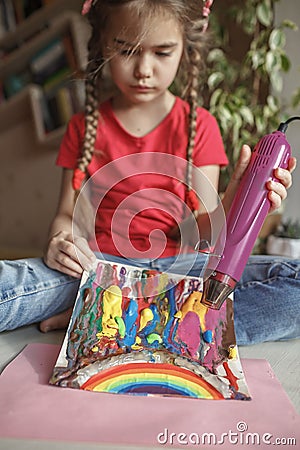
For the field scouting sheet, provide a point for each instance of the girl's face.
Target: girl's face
(143, 68)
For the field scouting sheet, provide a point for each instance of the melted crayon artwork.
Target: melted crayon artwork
(143, 332)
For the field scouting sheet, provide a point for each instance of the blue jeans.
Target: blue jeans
(266, 300)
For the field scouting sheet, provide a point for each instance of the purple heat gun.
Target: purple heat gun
(245, 218)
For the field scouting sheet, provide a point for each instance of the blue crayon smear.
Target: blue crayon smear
(169, 334)
(131, 315)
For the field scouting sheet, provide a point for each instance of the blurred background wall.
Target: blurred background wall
(291, 9)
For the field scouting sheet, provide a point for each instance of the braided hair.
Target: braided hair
(193, 18)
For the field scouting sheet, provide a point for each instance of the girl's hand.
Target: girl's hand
(277, 189)
(69, 254)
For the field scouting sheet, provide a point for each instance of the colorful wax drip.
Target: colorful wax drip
(123, 311)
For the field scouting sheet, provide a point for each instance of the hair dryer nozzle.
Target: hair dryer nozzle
(216, 290)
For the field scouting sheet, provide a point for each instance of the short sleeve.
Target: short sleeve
(209, 147)
(71, 144)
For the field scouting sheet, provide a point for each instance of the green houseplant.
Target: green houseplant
(245, 73)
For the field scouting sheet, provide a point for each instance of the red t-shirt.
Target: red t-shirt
(137, 184)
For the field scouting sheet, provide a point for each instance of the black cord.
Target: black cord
(284, 125)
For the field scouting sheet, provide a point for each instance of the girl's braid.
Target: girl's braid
(192, 97)
(194, 57)
(93, 76)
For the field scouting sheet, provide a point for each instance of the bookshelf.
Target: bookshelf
(40, 66)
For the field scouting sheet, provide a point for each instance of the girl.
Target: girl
(139, 151)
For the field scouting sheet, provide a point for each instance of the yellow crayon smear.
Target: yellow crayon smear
(232, 352)
(178, 315)
(112, 308)
(193, 303)
(200, 309)
(162, 282)
(146, 316)
(136, 345)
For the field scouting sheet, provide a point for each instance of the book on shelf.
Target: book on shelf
(47, 56)
(55, 61)
(58, 106)
(15, 83)
(48, 122)
(56, 80)
(19, 11)
(7, 16)
(50, 67)
(64, 104)
(70, 52)
(59, 66)
(13, 12)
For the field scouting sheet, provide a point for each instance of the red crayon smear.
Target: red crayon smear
(230, 376)
(126, 297)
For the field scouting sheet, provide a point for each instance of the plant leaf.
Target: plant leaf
(247, 115)
(276, 81)
(290, 24)
(285, 63)
(272, 62)
(216, 97)
(215, 79)
(264, 13)
(277, 39)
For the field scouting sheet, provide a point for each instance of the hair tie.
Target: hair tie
(206, 12)
(86, 7)
(78, 177)
(206, 7)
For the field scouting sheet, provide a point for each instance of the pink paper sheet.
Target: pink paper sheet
(32, 409)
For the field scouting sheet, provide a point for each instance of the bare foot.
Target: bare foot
(58, 322)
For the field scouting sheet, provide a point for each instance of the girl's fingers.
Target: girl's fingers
(242, 164)
(292, 164)
(69, 255)
(75, 255)
(285, 175)
(278, 188)
(275, 200)
(66, 265)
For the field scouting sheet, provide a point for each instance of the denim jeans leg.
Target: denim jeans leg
(267, 300)
(31, 292)
(190, 264)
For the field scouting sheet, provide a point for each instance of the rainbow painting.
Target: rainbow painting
(142, 332)
(157, 379)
